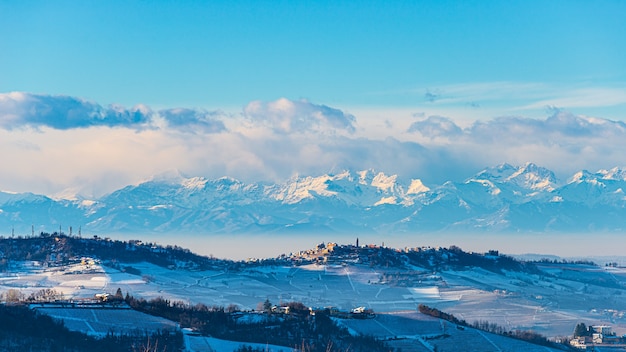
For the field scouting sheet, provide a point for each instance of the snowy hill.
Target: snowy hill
(400, 289)
(503, 198)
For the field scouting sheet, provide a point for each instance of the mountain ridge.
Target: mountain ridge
(503, 198)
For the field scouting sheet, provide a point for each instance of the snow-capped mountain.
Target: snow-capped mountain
(503, 198)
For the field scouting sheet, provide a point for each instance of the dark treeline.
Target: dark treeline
(455, 258)
(57, 248)
(316, 332)
(436, 313)
(435, 258)
(22, 329)
(565, 261)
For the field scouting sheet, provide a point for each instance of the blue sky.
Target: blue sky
(219, 54)
(246, 76)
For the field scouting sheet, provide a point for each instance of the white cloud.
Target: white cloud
(275, 140)
(564, 142)
(558, 128)
(25, 110)
(301, 116)
(18, 110)
(436, 126)
(193, 120)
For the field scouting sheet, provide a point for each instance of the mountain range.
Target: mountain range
(503, 198)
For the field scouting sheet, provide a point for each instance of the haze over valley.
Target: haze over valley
(509, 204)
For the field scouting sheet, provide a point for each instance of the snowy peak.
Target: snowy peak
(12, 197)
(194, 183)
(363, 187)
(417, 187)
(534, 177)
(496, 174)
(224, 183)
(582, 176)
(600, 178)
(366, 176)
(529, 177)
(615, 173)
(500, 198)
(299, 189)
(378, 180)
(383, 182)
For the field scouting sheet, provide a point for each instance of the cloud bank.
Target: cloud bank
(288, 116)
(193, 120)
(18, 110)
(25, 110)
(561, 127)
(50, 143)
(436, 126)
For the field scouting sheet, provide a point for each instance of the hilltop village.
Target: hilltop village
(365, 295)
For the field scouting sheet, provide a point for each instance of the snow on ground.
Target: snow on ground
(550, 305)
(99, 321)
(547, 305)
(210, 344)
(29, 277)
(395, 324)
(415, 332)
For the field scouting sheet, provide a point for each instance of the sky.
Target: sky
(96, 95)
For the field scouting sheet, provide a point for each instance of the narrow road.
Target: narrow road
(350, 281)
(489, 340)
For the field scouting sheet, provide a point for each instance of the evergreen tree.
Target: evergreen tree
(581, 330)
(267, 305)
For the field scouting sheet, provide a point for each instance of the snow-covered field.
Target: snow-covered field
(415, 332)
(100, 321)
(211, 344)
(546, 304)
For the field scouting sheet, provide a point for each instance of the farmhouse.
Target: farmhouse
(598, 335)
(603, 334)
(280, 309)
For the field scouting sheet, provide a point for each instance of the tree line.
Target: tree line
(22, 329)
(316, 333)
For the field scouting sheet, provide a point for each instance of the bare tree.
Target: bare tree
(12, 296)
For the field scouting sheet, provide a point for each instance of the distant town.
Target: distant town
(366, 295)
